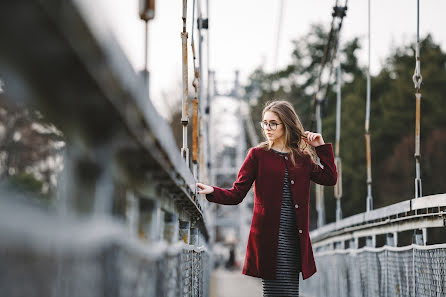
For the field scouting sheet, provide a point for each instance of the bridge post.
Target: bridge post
(86, 184)
(149, 221)
(170, 227)
(194, 236)
(132, 212)
(420, 236)
(370, 241)
(184, 232)
(320, 204)
(354, 243)
(392, 239)
(339, 245)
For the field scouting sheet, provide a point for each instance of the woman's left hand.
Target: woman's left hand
(314, 139)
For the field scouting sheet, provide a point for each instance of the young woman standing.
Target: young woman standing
(281, 168)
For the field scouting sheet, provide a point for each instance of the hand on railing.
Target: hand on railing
(205, 189)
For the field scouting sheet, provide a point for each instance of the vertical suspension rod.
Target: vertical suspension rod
(184, 102)
(369, 201)
(196, 85)
(417, 79)
(338, 186)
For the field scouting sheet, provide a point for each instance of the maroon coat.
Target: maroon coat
(267, 169)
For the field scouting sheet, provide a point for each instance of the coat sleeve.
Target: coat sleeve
(246, 176)
(328, 175)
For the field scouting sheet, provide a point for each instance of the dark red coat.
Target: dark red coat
(266, 169)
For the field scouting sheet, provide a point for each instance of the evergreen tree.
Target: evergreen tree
(392, 124)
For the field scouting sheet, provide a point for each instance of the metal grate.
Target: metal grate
(388, 271)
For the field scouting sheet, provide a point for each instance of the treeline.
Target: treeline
(392, 124)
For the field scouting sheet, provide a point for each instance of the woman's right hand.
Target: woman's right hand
(205, 189)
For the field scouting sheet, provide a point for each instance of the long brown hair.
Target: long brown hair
(294, 130)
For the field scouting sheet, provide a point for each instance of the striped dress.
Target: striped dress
(288, 250)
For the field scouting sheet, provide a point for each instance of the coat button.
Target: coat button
(296, 206)
(286, 158)
(292, 182)
(300, 230)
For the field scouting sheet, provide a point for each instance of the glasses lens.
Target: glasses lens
(271, 125)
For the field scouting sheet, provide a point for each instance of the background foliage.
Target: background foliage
(392, 117)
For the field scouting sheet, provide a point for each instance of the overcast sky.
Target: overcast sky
(243, 34)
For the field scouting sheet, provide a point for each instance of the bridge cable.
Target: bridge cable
(146, 13)
(417, 79)
(338, 161)
(338, 12)
(369, 200)
(320, 207)
(195, 84)
(322, 66)
(279, 30)
(419, 237)
(184, 102)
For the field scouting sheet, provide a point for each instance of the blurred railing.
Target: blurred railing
(350, 263)
(126, 220)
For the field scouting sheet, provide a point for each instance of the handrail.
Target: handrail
(100, 100)
(402, 211)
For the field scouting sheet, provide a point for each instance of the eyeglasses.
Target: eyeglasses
(271, 125)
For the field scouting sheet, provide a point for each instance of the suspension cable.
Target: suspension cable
(323, 60)
(279, 32)
(195, 84)
(184, 115)
(329, 52)
(369, 201)
(338, 161)
(318, 100)
(146, 13)
(340, 12)
(320, 207)
(417, 79)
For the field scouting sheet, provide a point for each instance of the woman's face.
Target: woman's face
(273, 135)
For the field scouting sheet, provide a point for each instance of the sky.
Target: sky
(243, 34)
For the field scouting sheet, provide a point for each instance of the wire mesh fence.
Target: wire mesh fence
(388, 271)
(184, 272)
(110, 270)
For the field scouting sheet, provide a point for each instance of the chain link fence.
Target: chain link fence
(111, 271)
(411, 271)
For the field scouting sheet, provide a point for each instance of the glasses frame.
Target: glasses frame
(269, 125)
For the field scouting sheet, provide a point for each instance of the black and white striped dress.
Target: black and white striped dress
(288, 250)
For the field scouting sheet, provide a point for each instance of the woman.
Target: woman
(281, 168)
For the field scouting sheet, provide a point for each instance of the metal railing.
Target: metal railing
(126, 220)
(347, 269)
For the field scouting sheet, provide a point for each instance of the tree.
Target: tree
(392, 117)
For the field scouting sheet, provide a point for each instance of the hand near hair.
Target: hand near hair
(313, 139)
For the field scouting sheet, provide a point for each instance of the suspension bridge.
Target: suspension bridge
(126, 220)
